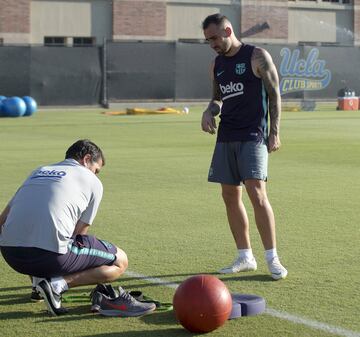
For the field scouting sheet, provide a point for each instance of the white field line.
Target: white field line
(275, 313)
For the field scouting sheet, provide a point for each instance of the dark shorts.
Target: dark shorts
(235, 162)
(85, 252)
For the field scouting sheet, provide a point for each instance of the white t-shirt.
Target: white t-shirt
(46, 208)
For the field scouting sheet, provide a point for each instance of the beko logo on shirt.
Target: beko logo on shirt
(48, 174)
(233, 89)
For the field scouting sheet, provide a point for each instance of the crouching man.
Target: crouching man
(43, 230)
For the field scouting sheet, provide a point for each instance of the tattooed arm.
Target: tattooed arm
(208, 123)
(264, 67)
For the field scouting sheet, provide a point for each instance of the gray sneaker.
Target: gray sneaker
(239, 265)
(97, 293)
(124, 305)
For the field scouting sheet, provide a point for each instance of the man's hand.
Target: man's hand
(208, 123)
(274, 142)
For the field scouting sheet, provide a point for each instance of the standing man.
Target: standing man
(246, 91)
(43, 231)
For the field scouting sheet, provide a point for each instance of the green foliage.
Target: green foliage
(159, 208)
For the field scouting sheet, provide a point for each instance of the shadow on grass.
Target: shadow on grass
(76, 313)
(14, 288)
(153, 333)
(167, 317)
(247, 278)
(14, 299)
(42, 316)
(82, 312)
(16, 315)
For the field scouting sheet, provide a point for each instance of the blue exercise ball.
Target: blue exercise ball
(14, 107)
(31, 105)
(2, 113)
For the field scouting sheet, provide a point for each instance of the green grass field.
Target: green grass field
(159, 207)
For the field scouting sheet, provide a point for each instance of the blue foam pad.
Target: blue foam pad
(251, 305)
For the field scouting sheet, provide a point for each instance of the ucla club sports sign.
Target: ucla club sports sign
(299, 74)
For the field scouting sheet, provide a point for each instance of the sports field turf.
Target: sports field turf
(159, 207)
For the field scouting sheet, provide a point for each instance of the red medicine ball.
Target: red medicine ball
(202, 303)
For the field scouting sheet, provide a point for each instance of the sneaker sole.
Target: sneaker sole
(95, 308)
(278, 277)
(35, 300)
(117, 313)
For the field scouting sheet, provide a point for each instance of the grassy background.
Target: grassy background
(159, 207)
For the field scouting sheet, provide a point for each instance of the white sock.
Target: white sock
(246, 254)
(270, 254)
(58, 284)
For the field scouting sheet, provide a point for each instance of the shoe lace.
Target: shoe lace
(275, 263)
(126, 297)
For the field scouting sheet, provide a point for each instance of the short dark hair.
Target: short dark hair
(81, 148)
(216, 19)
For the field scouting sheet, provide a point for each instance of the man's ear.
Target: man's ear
(228, 31)
(84, 161)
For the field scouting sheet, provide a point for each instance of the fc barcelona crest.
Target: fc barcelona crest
(240, 68)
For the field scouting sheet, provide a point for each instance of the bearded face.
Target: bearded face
(218, 39)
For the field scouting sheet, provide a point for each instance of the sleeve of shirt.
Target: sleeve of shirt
(89, 214)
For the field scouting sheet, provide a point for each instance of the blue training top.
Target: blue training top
(244, 113)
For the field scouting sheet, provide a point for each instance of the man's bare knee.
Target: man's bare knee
(256, 190)
(121, 260)
(231, 195)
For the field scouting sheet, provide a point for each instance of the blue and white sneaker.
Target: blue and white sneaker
(276, 269)
(240, 265)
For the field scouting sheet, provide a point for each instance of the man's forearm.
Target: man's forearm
(215, 104)
(214, 107)
(275, 112)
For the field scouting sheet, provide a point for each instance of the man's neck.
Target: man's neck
(234, 48)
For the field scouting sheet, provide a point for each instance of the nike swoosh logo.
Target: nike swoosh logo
(220, 73)
(121, 307)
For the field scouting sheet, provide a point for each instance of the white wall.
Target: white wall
(84, 18)
(320, 25)
(184, 19)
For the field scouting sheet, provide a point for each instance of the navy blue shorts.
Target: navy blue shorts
(85, 252)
